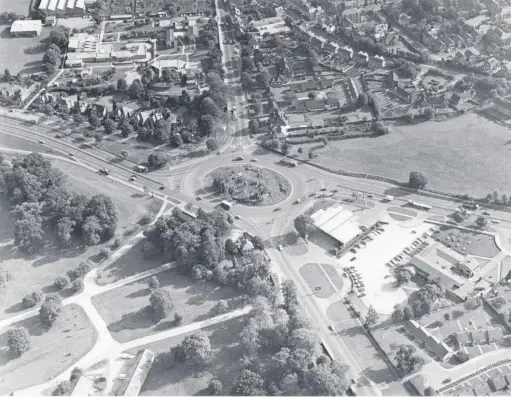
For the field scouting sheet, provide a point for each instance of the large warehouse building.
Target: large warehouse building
(62, 7)
(26, 28)
(338, 223)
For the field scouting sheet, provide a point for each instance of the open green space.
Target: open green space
(21, 54)
(317, 280)
(128, 314)
(249, 184)
(455, 155)
(475, 243)
(52, 351)
(184, 379)
(37, 272)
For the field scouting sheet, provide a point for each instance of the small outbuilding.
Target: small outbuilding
(26, 28)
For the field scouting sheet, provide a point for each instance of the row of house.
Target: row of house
(479, 337)
(317, 104)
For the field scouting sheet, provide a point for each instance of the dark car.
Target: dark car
(446, 380)
(162, 187)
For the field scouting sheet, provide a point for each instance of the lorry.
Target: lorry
(421, 206)
(226, 205)
(388, 197)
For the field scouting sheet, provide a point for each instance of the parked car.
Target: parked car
(162, 187)
(71, 154)
(486, 213)
(42, 142)
(447, 380)
(496, 221)
(239, 158)
(254, 160)
(132, 178)
(280, 247)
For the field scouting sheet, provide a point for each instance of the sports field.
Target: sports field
(457, 155)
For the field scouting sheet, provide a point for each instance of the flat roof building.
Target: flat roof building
(26, 28)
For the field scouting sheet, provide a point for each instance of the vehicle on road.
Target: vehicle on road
(312, 194)
(277, 209)
(42, 142)
(132, 178)
(447, 380)
(280, 247)
(226, 205)
(71, 155)
(487, 213)
(421, 206)
(335, 191)
(239, 158)
(289, 162)
(352, 259)
(162, 187)
(388, 197)
(237, 217)
(496, 221)
(198, 198)
(254, 160)
(57, 136)
(323, 189)
(471, 205)
(218, 153)
(298, 201)
(104, 171)
(370, 195)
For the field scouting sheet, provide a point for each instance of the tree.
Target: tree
(402, 276)
(175, 139)
(398, 313)
(60, 37)
(429, 391)
(286, 148)
(304, 338)
(246, 81)
(211, 144)
(127, 130)
(91, 231)
(304, 225)
(78, 118)
(258, 242)
(50, 309)
(122, 85)
(28, 233)
(7, 75)
(253, 125)
(249, 338)
(326, 380)
(362, 99)
(153, 283)
(290, 295)
(462, 356)
(64, 229)
(109, 126)
(61, 282)
(230, 246)
(156, 161)
(417, 180)
(77, 285)
(481, 221)
(215, 387)
(406, 361)
(196, 348)
(248, 383)
(371, 317)
(18, 340)
(429, 112)
(504, 199)
(161, 304)
(178, 319)
(31, 300)
(62, 389)
(263, 78)
(136, 90)
(51, 59)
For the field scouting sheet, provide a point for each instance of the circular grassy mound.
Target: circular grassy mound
(248, 184)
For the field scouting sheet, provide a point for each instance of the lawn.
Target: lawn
(184, 380)
(52, 351)
(37, 272)
(131, 263)
(19, 7)
(20, 54)
(317, 280)
(127, 312)
(250, 185)
(455, 155)
(476, 244)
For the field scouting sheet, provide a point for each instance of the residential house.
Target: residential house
(491, 63)
(352, 89)
(495, 334)
(459, 98)
(376, 61)
(472, 54)
(463, 338)
(392, 80)
(346, 53)
(379, 31)
(478, 337)
(498, 383)
(362, 58)
(404, 19)
(252, 41)
(406, 93)
(391, 39)
(459, 41)
(169, 38)
(459, 57)
(499, 37)
(352, 15)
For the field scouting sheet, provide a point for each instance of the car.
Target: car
(162, 187)
(104, 171)
(486, 213)
(42, 142)
(57, 136)
(253, 160)
(280, 247)
(447, 380)
(237, 217)
(352, 259)
(198, 198)
(132, 178)
(297, 201)
(496, 221)
(277, 209)
(71, 154)
(10, 111)
(361, 295)
(323, 189)
(370, 195)
(312, 194)
(239, 158)
(353, 250)
(335, 191)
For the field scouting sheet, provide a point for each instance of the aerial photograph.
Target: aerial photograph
(255, 197)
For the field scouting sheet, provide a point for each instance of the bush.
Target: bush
(61, 282)
(31, 300)
(161, 304)
(104, 253)
(75, 373)
(498, 302)
(77, 286)
(221, 307)
(178, 319)
(116, 244)
(461, 356)
(145, 220)
(18, 340)
(215, 387)
(50, 309)
(62, 389)
(82, 269)
(153, 283)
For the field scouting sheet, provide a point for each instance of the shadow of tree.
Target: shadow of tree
(142, 318)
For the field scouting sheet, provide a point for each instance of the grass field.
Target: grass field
(52, 351)
(37, 272)
(127, 312)
(243, 181)
(15, 52)
(183, 380)
(455, 155)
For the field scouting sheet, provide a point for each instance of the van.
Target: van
(280, 247)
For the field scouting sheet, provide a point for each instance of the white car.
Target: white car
(496, 221)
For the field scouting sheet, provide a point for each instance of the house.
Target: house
(498, 383)
(490, 63)
(406, 93)
(377, 61)
(26, 28)
(392, 80)
(478, 337)
(362, 58)
(391, 39)
(458, 98)
(252, 41)
(463, 338)
(495, 334)
(352, 15)
(247, 247)
(499, 37)
(379, 31)
(346, 53)
(471, 53)
(459, 57)
(50, 21)
(502, 106)
(169, 38)
(404, 19)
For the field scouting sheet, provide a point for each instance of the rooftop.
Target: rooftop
(338, 222)
(26, 25)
